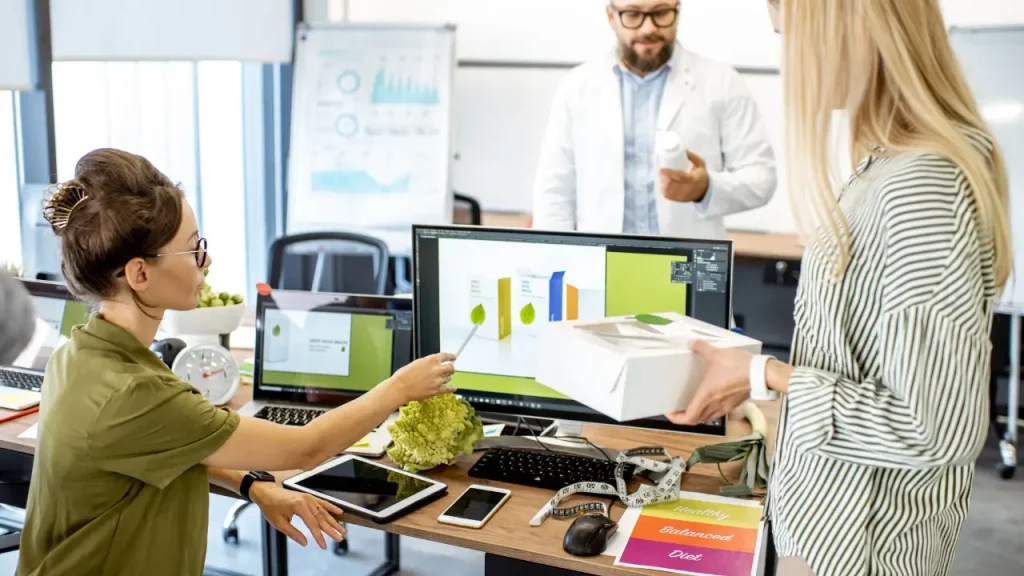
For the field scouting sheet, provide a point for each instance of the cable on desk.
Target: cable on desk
(611, 501)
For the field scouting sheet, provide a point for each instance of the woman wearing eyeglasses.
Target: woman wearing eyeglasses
(127, 450)
(886, 399)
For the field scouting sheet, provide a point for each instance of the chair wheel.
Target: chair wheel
(230, 534)
(341, 548)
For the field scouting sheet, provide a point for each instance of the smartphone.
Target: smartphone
(475, 506)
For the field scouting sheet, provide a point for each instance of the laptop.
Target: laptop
(57, 312)
(317, 350)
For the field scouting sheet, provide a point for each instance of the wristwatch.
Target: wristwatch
(251, 477)
(758, 382)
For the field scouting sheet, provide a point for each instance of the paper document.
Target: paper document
(697, 534)
(626, 523)
(31, 433)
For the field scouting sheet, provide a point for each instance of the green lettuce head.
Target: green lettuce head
(434, 432)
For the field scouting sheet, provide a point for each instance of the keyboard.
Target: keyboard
(543, 469)
(21, 380)
(288, 416)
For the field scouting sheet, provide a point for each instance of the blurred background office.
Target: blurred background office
(204, 89)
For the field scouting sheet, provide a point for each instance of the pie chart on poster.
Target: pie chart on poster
(347, 125)
(349, 82)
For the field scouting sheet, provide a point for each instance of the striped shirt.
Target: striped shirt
(888, 404)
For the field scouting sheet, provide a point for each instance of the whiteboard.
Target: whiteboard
(371, 130)
(991, 58)
(546, 31)
(500, 123)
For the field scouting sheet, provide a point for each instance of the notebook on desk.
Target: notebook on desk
(57, 312)
(316, 351)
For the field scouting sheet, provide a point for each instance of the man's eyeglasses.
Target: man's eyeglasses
(199, 253)
(633, 19)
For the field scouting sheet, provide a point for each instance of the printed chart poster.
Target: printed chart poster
(371, 130)
(696, 535)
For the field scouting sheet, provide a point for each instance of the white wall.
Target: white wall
(501, 111)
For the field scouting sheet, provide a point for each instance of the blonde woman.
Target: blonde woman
(886, 401)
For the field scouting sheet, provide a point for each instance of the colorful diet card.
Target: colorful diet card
(697, 534)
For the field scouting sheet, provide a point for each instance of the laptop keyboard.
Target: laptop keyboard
(288, 416)
(21, 380)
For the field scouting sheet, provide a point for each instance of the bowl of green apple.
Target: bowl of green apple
(215, 313)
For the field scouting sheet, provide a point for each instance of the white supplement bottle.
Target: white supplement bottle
(671, 152)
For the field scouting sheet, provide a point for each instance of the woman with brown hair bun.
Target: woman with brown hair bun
(127, 450)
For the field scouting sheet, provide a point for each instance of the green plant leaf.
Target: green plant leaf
(652, 319)
(528, 314)
(276, 331)
(478, 315)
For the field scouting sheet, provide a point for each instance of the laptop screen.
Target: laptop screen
(56, 315)
(328, 348)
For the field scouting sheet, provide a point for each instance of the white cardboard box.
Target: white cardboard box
(628, 369)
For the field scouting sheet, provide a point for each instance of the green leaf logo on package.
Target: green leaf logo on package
(276, 331)
(477, 316)
(528, 314)
(652, 319)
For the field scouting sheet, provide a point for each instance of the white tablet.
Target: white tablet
(379, 492)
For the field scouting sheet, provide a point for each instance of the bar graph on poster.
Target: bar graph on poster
(371, 139)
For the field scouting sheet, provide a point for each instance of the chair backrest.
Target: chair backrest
(467, 210)
(329, 262)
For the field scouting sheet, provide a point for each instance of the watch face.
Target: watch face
(263, 476)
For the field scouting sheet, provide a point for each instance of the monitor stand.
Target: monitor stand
(529, 435)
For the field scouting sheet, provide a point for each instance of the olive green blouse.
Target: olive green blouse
(117, 484)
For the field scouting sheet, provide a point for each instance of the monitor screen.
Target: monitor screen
(518, 280)
(56, 314)
(327, 348)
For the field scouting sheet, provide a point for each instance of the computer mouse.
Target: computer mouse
(588, 535)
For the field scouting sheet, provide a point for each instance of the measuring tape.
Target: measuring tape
(666, 490)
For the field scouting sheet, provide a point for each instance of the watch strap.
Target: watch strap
(247, 481)
(758, 379)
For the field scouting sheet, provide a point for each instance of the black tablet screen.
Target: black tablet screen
(364, 484)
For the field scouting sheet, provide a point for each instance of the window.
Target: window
(186, 118)
(10, 224)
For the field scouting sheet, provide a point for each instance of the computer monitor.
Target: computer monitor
(326, 348)
(531, 277)
(57, 312)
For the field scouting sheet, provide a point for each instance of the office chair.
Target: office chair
(322, 262)
(329, 262)
(467, 210)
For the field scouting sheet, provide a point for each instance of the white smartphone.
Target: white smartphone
(475, 506)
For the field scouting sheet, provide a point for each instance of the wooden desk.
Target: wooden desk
(748, 244)
(508, 534)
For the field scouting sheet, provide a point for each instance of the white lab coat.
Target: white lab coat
(580, 183)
